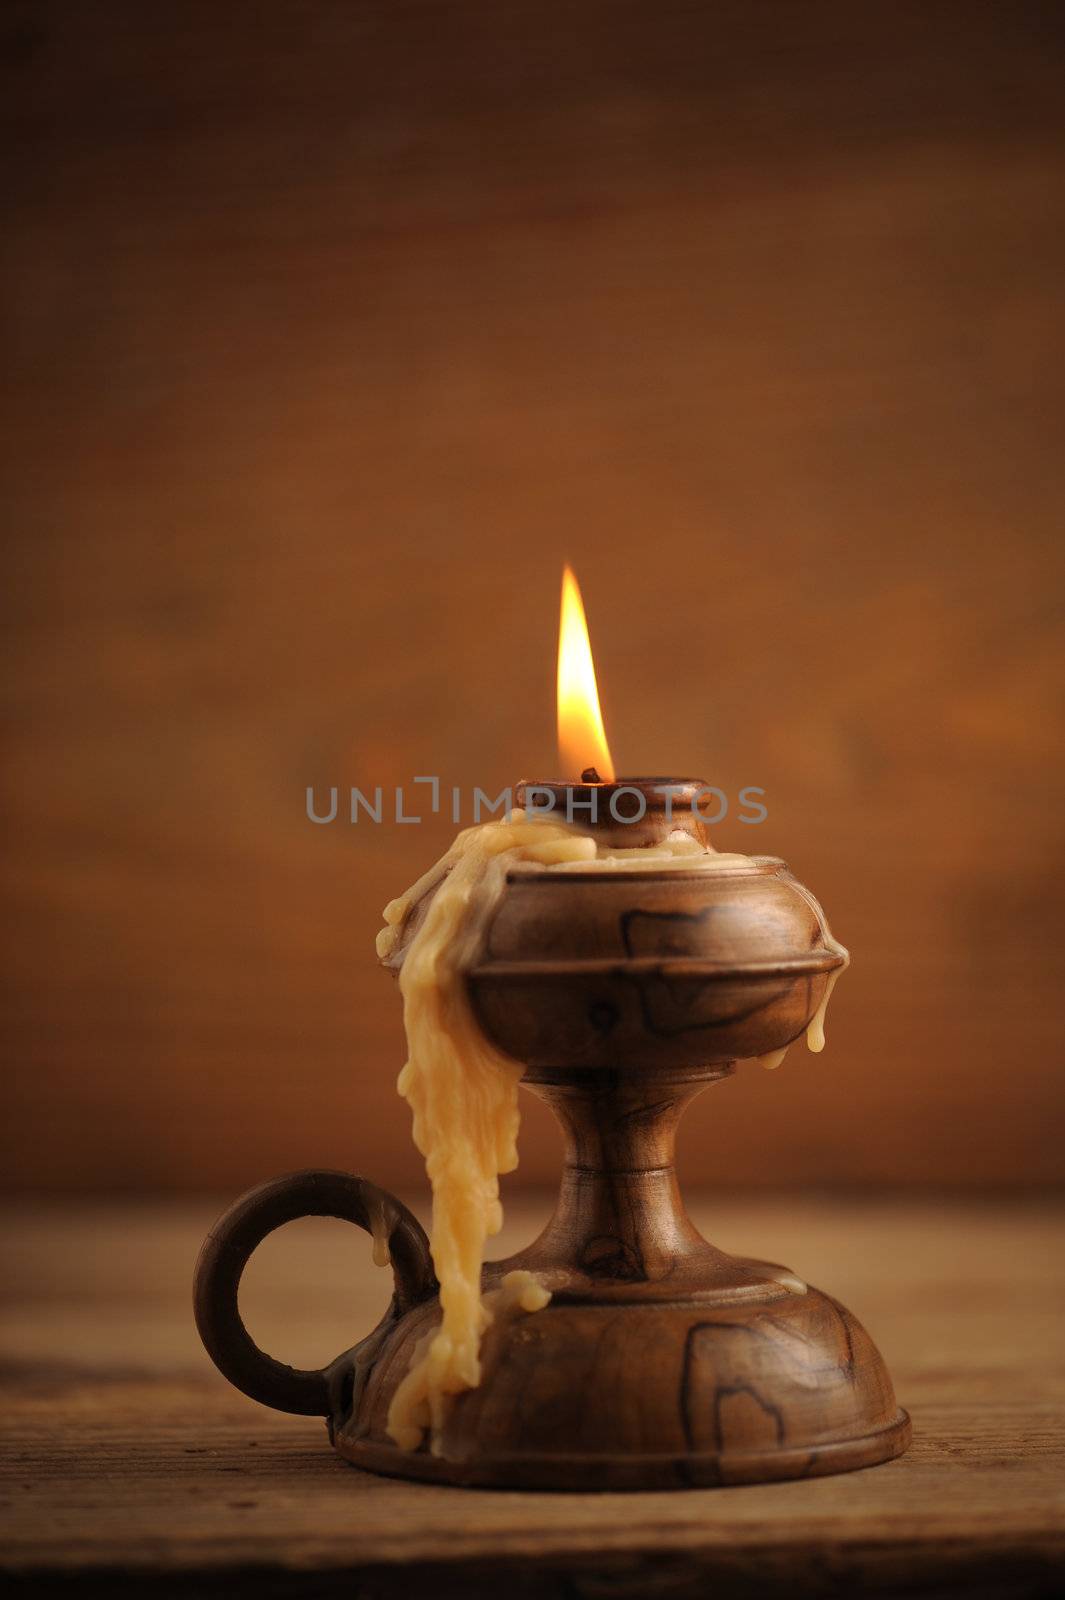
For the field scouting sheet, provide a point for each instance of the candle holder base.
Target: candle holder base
(724, 1390)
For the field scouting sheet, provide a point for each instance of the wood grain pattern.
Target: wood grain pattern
(125, 1454)
(636, 971)
(332, 330)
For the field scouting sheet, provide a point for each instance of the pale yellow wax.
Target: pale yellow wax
(382, 1255)
(464, 1095)
(815, 1031)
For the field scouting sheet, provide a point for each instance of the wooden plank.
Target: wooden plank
(126, 1460)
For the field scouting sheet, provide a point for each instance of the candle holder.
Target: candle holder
(660, 1361)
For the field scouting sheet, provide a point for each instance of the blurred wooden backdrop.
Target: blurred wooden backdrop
(332, 330)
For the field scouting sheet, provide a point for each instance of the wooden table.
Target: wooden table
(130, 1467)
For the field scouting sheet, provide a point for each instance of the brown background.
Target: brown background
(333, 330)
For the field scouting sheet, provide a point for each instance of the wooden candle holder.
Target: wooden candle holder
(660, 1361)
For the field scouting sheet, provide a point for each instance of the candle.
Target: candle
(462, 1090)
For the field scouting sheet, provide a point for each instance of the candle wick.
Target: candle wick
(590, 775)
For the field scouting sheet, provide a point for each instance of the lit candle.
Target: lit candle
(462, 1090)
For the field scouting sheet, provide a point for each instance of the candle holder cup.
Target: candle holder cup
(660, 1361)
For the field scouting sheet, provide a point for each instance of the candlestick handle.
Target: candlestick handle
(242, 1229)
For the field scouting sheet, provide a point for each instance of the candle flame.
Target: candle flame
(581, 737)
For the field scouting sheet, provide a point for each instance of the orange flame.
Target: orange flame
(581, 738)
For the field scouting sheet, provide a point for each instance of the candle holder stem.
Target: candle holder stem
(620, 1219)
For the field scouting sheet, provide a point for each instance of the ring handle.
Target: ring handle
(230, 1243)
